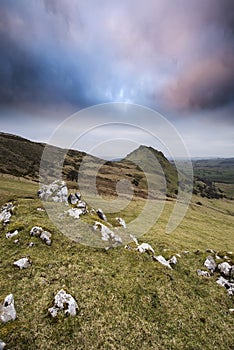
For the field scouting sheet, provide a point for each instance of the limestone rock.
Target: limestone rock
(45, 236)
(74, 212)
(145, 247)
(63, 301)
(203, 273)
(23, 263)
(210, 264)
(225, 283)
(173, 260)
(225, 268)
(121, 222)
(162, 261)
(7, 310)
(6, 212)
(101, 214)
(55, 192)
(12, 234)
(73, 198)
(107, 235)
(2, 345)
(82, 206)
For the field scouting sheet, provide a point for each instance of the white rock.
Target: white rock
(36, 231)
(5, 216)
(225, 283)
(231, 310)
(173, 260)
(179, 256)
(107, 235)
(2, 345)
(40, 209)
(23, 263)
(63, 301)
(210, 263)
(16, 241)
(31, 244)
(7, 310)
(203, 273)
(56, 192)
(142, 248)
(121, 222)
(134, 239)
(46, 237)
(9, 234)
(101, 214)
(73, 199)
(225, 268)
(74, 212)
(162, 261)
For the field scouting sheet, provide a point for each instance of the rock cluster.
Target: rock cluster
(55, 192)
(45, 236)
(63, 302)
(224, 269)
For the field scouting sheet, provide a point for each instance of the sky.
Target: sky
(176, 57)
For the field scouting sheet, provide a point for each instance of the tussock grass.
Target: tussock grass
(126, 300)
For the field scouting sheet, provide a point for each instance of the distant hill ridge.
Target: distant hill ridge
(21, 158)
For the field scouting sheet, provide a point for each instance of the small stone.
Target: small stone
(121, 222)
(12, 234)
(7, 310)
(23, 263)
(145, 247)
(63, 300)
(36, 231)
(40, 209)
(210, 264)
(74, 212)
(31, 244)
(225, 268)
(16, 241)
(46, 237)
(162, 261)
(231, 311)
(2, 345)
(101, 214)
(203, 273)
(173, 260)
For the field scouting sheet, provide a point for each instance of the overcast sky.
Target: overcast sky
(174, 56)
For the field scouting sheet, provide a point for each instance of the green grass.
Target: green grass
(126, 300)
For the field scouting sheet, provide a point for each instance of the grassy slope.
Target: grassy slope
(126, 300)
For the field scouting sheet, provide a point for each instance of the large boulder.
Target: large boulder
(7, 310)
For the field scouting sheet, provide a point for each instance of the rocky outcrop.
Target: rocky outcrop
(107, 235)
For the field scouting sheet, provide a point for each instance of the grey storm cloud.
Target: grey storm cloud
(168, 55)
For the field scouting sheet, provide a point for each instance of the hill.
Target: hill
(21, 158)
(125, 299)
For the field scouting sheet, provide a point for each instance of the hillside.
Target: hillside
(126, 300)
(21, 158)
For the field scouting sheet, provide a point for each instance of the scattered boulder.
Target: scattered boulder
(63, 301)
(225, 268)
(145, 247)
(82, 206)
(7, 310)
(45, 236)
(203, 273)
(121, 222)
(55, 192)
(107, 234)
(210, 264)
(6, 213)
(101, 215)
(2, 345)
(23, 263)
(162, 261)
(74, 212)
(12, 234)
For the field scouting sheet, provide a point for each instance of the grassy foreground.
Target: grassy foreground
(126, 300)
